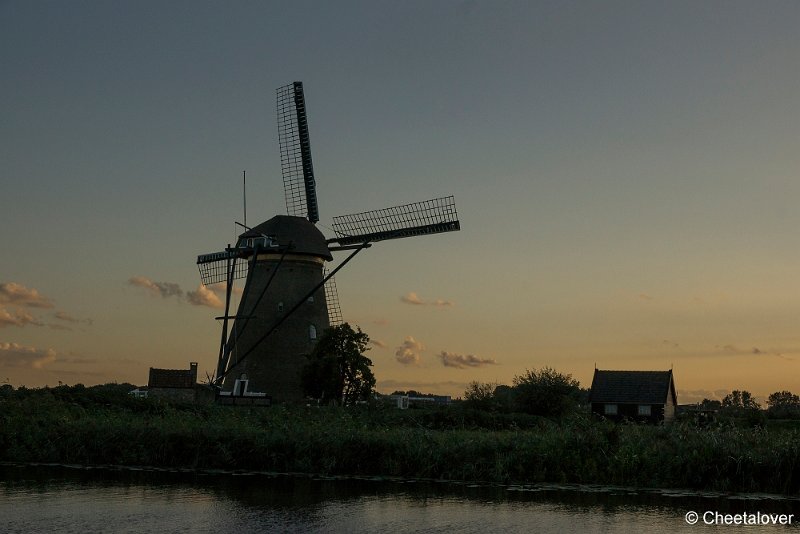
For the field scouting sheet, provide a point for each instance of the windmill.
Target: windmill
(289, 297)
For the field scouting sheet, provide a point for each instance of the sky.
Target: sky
(627, 177)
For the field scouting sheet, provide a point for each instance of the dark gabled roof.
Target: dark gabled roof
(632, 387)
(171, 378)
(299, 231)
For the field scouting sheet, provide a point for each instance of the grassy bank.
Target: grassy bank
(69, 425)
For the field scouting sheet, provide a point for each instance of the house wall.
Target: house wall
(172, 394)
(631, 412)
(669, 409)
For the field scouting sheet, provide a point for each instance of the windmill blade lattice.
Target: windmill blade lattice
(214, 267)
(332, 300)
(420, 218)
(298, 172)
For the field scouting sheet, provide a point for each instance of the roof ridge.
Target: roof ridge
(630, 371)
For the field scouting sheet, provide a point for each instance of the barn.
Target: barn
(647, 396)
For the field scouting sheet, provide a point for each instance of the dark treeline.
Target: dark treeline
(103, 425)
(546, 392)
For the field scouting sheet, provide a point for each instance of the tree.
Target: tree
(741, 405)
(783, 405)
(710, 404)
(742, 400)
(337, 370)
(783, 398)
(504, 398)
(545, 392)
(480, 395)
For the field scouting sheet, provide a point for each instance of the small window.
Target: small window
(611, 409)
(280, 306)
(312, 332)
(644, 409)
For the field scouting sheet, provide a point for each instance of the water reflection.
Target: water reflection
(72, 500)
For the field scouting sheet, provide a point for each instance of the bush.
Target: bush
(546, 392)
(480, 396)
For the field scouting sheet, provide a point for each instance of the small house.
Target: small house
(647, 396)
(173, 384)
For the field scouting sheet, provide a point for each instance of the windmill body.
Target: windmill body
(282, 277)
(289, 299)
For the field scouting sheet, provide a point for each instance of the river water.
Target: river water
(74, 500)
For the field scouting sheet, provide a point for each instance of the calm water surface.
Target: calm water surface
(50, 499)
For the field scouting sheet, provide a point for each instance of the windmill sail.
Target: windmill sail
(332, 299)
(420, 218)
(298, 172)
(214, 267)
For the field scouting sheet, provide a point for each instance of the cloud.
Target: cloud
(462, 361)
(446, 388)
(27, 318)
(220, 289)
(211, 296)
(80, 374)
(21, 317)
(736, 350)
(6, 319)
(412, 298)
(79, 361)
(14, 355)
(693, 396)
(64, 316)
(162, 289)
(204, 297)
(416, 300)
(409, 352)
(17, 318)
(17, 294)
(378, 343)
(733, 349)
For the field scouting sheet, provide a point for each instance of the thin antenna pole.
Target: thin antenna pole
(244, 195)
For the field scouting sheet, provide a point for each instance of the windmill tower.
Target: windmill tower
(289, 297)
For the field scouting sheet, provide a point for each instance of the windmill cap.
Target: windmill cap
(304, 236)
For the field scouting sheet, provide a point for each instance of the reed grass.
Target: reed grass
(445, 443)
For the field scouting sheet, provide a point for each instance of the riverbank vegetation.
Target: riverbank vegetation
(104, 425)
